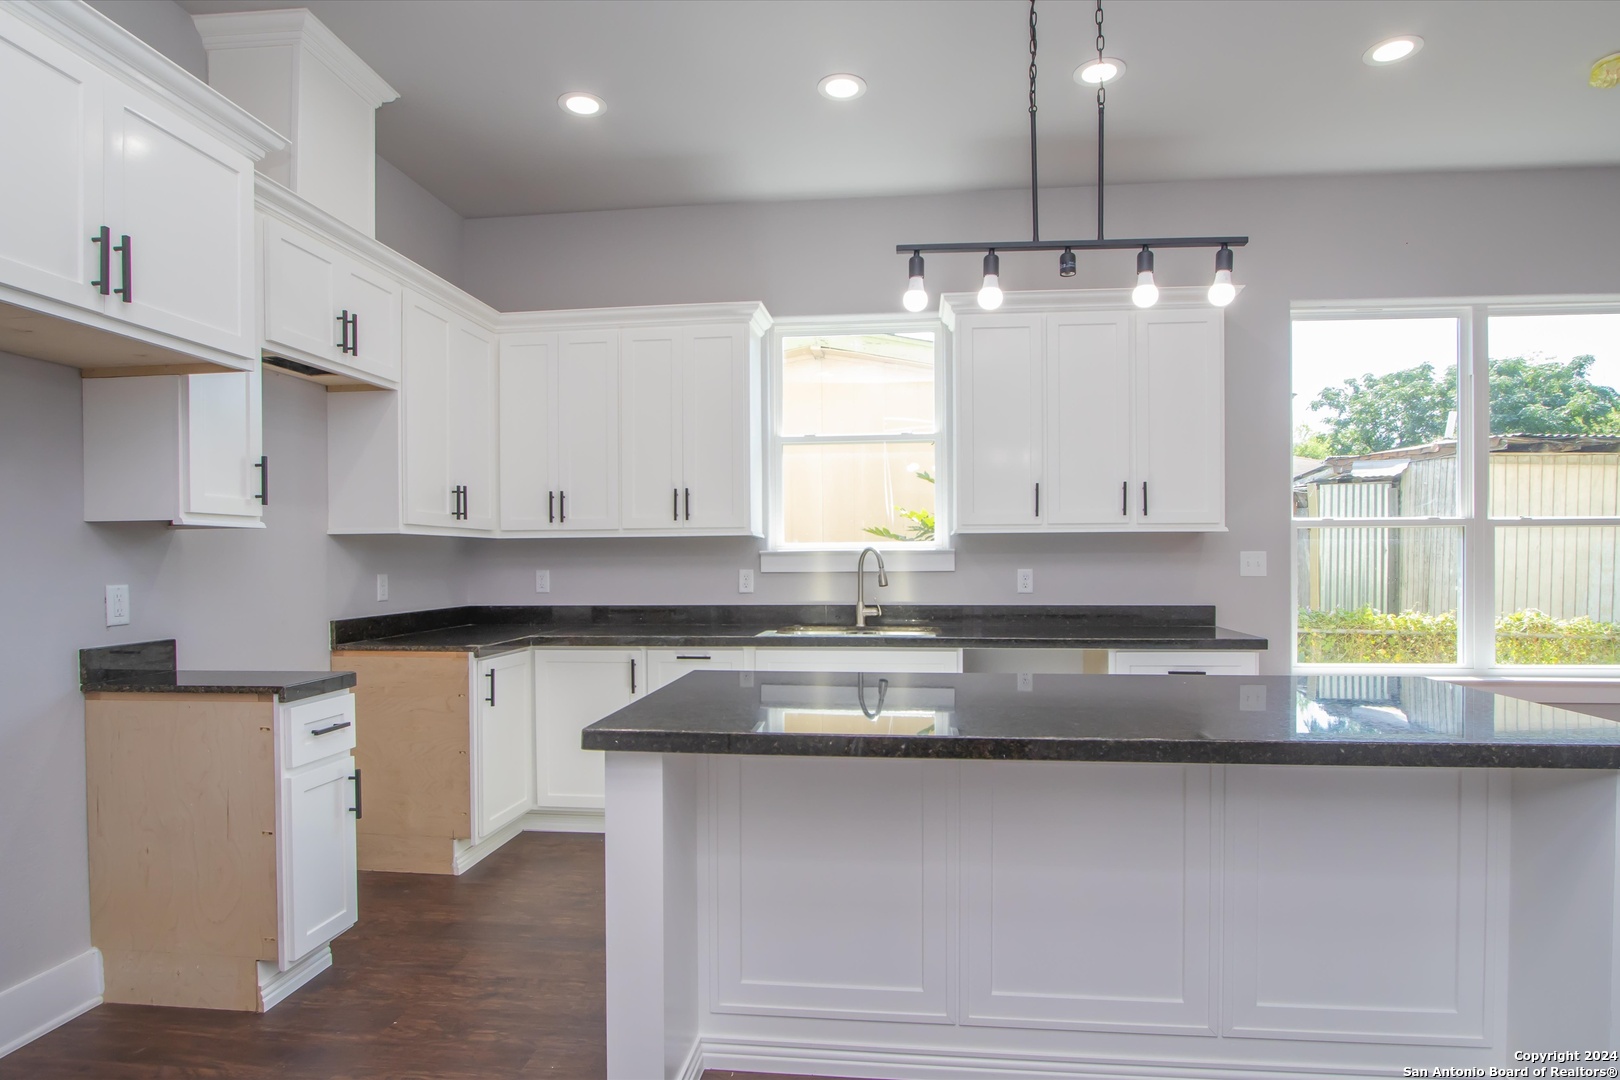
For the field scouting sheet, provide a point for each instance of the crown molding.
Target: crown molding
(127, 58)
(750, 311)
(294, 26)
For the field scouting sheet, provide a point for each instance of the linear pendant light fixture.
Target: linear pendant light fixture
(1146, 292)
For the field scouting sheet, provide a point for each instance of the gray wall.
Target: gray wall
(412, 221)
(1418, 235)
(165, 26)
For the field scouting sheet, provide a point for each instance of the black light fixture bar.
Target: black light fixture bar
(1081, 245)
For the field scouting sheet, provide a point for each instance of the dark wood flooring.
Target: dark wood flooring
(495, 974)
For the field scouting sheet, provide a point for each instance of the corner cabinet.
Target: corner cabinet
(1101, 418)
(128, 241)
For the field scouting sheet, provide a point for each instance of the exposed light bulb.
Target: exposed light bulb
(1146, 293)
(916, 297)
(990, 291)
(1066, 263)
(1222, 291)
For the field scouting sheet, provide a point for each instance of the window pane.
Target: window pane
(858, 384)
(1378, 596)
(1375, 418)
(1556, 595)
(858, 493)
(1555, 415)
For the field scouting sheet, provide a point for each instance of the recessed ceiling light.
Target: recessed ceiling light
(842, 87)
(1395, 48)
(581, 104)
(1097, 72)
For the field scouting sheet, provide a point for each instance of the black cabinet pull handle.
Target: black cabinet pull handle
(332, 727)
(678, 656)
(688, 503)
(466, 502)
(1144, 498)
(354, 334)
(551, 507)
(125, 250)
(455, 503)
(491, 676)
(1037, 500)
(103, 284)
(343, 326)
(1124, 497)
(632, 676)
(675, 504)
(355, 809)
(263, 465)
(1173, 671)
(562, 505)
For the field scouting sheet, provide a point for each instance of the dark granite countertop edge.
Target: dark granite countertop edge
(1359, 753)
(285, 685)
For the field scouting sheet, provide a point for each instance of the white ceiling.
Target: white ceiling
(715, 100)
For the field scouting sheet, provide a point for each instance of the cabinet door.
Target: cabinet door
(503, 742)
(472, 422)
(587, 420)
(664, 666)
(999, 420)
(649, 420)
(1180, 418)
(224, 440)
(425, 400)
(51, 188)
(317, 891)
(372, 299)
(574, 688)
(185, 200)
(300, 281)
(716, 419)
(527, 410)
(1088, 420)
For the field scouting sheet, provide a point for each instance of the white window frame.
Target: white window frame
(1476, 596)
(779, 557)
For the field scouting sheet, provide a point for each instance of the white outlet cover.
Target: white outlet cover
(382, 587)
(542, 581)
(745, 581)
(1026, 682)
(1026, 581)
(118, 605)
(1252, 698)
(1252, 564)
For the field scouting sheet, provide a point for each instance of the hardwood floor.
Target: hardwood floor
(495, 974)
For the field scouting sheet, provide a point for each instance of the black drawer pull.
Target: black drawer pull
(632, 677)
(491, 699)
(103, 284)
(125, 250)
(1174, 671)
(678, 656)
(355, 809)
(263, 465)
(333, 727)
(343, 321)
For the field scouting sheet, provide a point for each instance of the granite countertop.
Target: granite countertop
(149, 667)
(1231, 720)
(489, 630)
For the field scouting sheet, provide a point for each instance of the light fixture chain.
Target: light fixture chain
(1102, 102)
(1102, 91)
(1034, 171)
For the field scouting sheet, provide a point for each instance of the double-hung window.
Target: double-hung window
(1456, 487)
(856, 441)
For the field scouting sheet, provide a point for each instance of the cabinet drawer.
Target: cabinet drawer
(317, 729)
(857, 659)
(1155, 662)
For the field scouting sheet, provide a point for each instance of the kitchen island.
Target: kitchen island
(1105, 876)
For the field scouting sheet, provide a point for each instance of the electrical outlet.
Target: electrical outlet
(1026, 683)
(118, 605)
(1252, 698)
(745, 581)
(382, 587)
(542, 581)
(745, 679)
(1252, 563)
(1026, 581)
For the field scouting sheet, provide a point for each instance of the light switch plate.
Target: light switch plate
(118, 605)
(542, 581)
(1026, 581)
(1252, 564)
(382, 587)
(1252, 698)
(745, 580)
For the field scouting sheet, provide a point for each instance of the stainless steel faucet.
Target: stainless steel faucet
(862, 608)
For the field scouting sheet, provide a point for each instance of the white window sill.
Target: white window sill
(843, 561)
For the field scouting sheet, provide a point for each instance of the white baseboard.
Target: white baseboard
(899, 1064)
(470, 855)
(49, 1000)
(275, 986)
(693, 1067)
(562, 821)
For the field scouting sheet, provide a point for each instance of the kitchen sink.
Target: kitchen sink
(851, 631)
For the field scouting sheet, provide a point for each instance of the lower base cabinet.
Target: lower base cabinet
(221, 842)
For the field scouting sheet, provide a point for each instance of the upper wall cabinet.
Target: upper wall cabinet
(327, 308)
(1094, 418)
(127, 241)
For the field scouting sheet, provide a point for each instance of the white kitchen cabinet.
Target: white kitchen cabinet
(320, 871)
(1198, 662)
(1092, 418)
(559, 431)
(449, 404)
(664, 666)
(574, 688)
(325, 307)
(187, 449)
(691, 436)
(503, 741)
(857, 658)
(134, 217)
